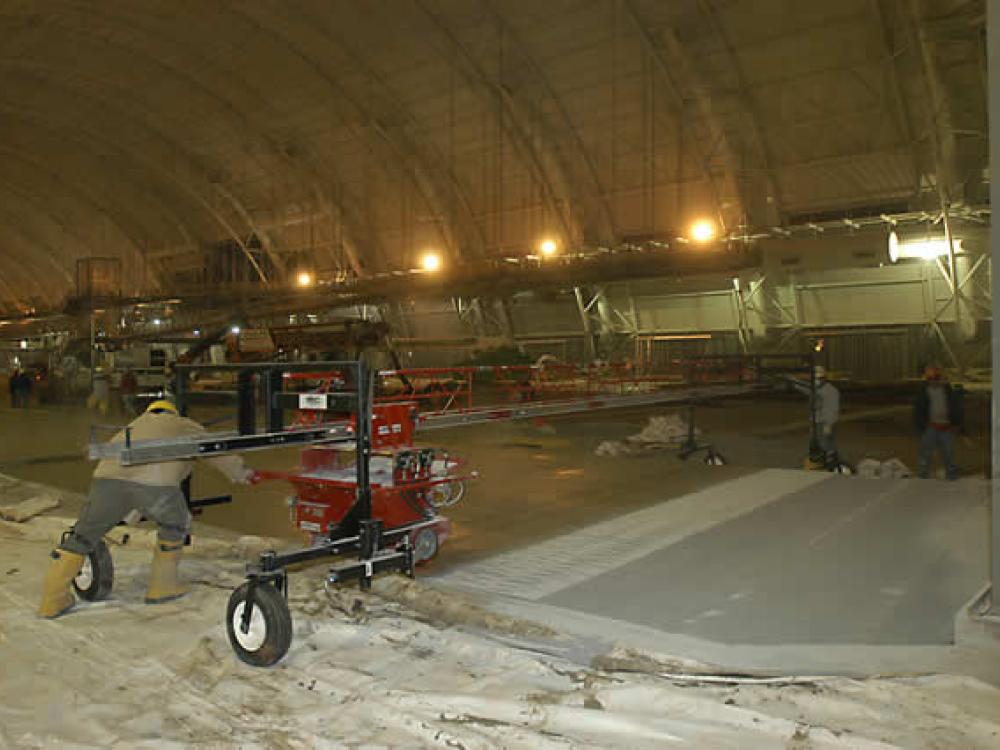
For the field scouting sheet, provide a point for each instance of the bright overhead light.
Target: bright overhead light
(156, 321)
(922, 246)
(24, 344)
(548, 247)
(235, 330)
(431, 262)
(703, 230)
(304, 279)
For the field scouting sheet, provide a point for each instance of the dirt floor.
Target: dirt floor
(536, 481)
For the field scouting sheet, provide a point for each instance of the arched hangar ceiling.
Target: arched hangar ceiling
(349, 135)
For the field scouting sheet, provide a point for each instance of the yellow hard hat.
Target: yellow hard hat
(162, 405)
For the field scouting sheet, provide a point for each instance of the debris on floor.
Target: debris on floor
(666, 431)
(27, 509)
(893, 468)
(404, 666)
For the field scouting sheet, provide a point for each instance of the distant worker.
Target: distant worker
(129, 388)
(827, 415)
(825, 405)
(151, 489)
(938, 413)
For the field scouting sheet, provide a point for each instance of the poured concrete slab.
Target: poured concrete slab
(773, 558)
(843, 561)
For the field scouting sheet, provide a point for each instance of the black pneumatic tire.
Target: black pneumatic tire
(270, 633)
(97, 577)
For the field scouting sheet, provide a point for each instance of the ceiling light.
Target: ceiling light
(235, 330)
(548, 248)
(304, 279)
(430, 262)
(922, 246)
(703, 230)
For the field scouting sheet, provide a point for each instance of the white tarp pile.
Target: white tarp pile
(872, 468)
(392, 669)
(666, 431)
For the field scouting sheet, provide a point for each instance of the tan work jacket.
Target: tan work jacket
(157, 426)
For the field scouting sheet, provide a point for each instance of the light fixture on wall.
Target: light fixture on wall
(430, 262)
(548, 248)
(703, 230)
(921, 245)
(304, 279)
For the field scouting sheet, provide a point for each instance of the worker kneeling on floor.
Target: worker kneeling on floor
(154, 490)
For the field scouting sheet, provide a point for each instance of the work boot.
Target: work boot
(57, 599)
(163, 583)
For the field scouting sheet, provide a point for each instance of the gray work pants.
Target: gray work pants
(110, 500)
(827, 443)
(937, 440)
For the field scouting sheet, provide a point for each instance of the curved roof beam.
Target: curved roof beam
(240, 118)
(679, 61)
(936, 103)
(608, 235)
(43, 206)
(42, 124)
(900, 109)
(136, 156)
(57, 260)
(58, 184)
(481, 80)
(332, 202)
(402, 151)
(749, 104)
(429, 166)
(31, 240)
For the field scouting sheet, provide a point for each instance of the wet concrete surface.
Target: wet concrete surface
(535, 482)
(878, 562)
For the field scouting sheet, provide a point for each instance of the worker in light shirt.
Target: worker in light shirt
(154, 490)
(938, 414)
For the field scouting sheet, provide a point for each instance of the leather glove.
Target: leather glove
(253, 478)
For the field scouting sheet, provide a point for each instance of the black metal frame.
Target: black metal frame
(378, 550)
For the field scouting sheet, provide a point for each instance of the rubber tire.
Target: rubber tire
(102, 575)
(277, 624)
(428, 533)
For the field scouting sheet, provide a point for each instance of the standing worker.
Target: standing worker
(938, 413)
(824, 403)
(152, 489)
(827, 411)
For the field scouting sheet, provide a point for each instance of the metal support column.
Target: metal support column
(993, 50)
(588, 332)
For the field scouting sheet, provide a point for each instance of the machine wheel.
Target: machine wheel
(446, 494)
(270, 633)
(97, 576)
(425, 544)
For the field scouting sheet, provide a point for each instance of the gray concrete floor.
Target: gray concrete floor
(879, 562)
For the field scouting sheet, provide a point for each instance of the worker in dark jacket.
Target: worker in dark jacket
(938, 413)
